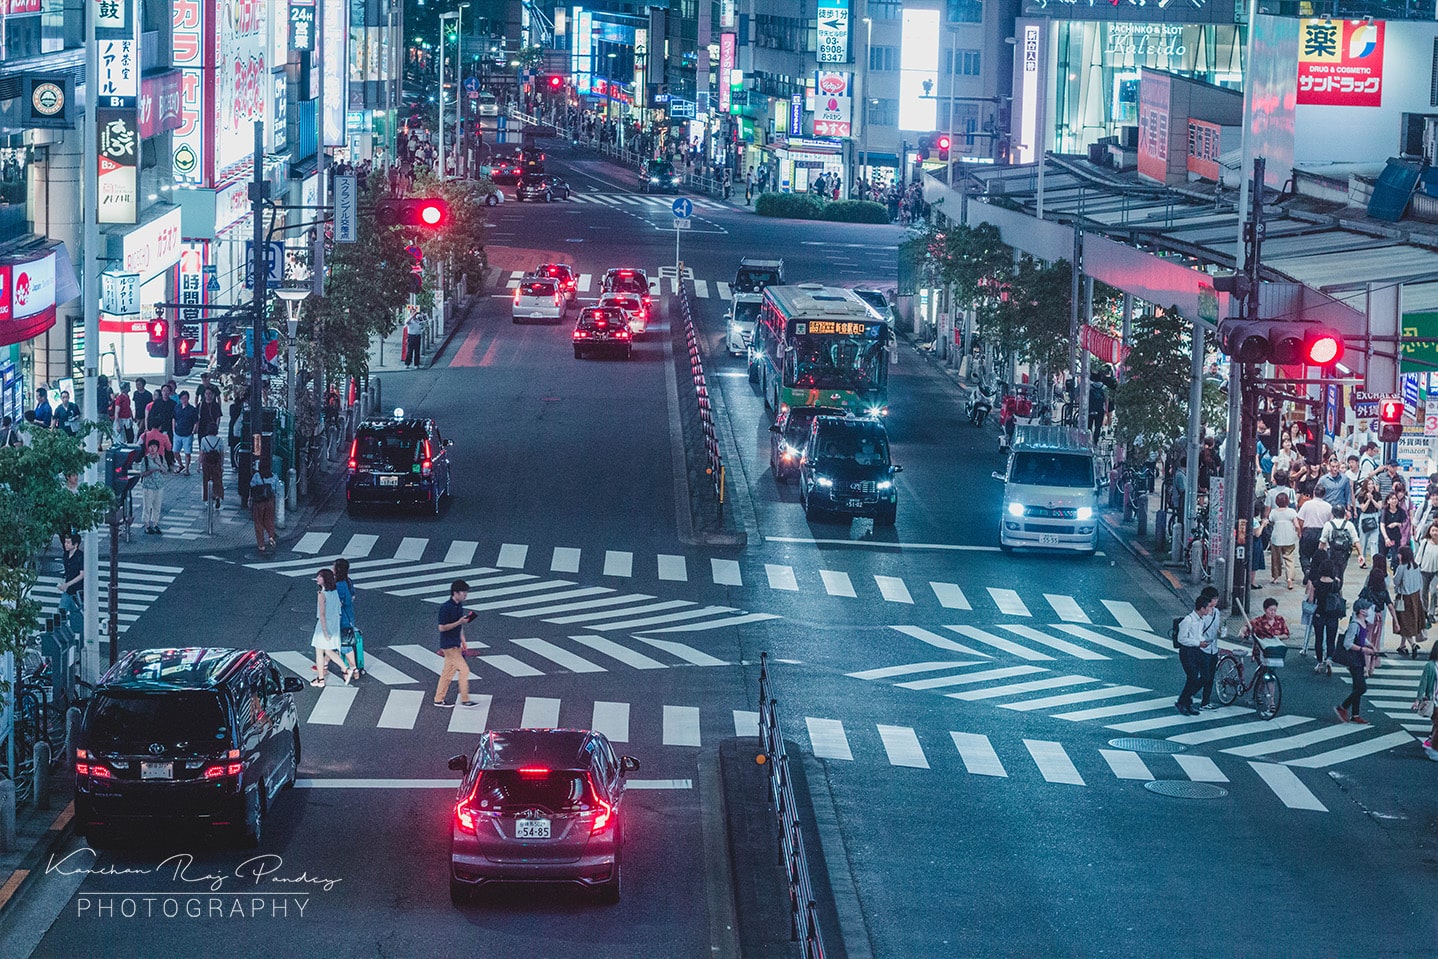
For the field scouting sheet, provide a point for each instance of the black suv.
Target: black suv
(602, 329)
(201, 736)
(401, 461)
(846, 469)
(659, 176)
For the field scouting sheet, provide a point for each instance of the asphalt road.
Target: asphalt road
(961, 704)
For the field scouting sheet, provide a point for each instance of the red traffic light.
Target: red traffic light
(431, 212)
(943, 142)
(556, 82)
(1390, 411)
(1323, 349)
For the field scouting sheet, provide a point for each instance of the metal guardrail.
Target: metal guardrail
(803, 912)
(713, 460)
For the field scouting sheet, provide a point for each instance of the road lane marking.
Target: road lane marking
(998, 642)
(508, 664)
(893, 590)
(939, 642)
(666, 618)
(618, 563)
(1121, 709)
(511, 603)
(297, 663)
(1062, 645)
(618, 613)
(473, 719)
(1200, 769)
(726, 572)
(615, 651)
(836, 583)
(1287, 786)
(781, 577)
(1053, 762)
(1126, 615)
(434, 574)
(1068, 699)
(1008, 602)
(1162, 642)
(1067, 608)
(612, 719)
(806, 541)
(1101, 640)
(902, 745)
(963, 679)
(681, 725)
(827, 739)
(978, 755)
(886, 672)
(717, 623)
(411, 547)
(421, 655)
(563, 657)
(359, 546)
(512, 556)
(566, 560)
(310, 543)
(1379, 744)
(1013, 689)
(384, 672)
(461, 552)
(453, 784)
(1178, 719)
(540, 712)
(401, 709)
(440, 583)
(701, 288)
(950, 596)
(673, 568)
(332, 706)
(1126, 764)
(688, 654)
(746, 723)
(1297, 741)
(628, 598)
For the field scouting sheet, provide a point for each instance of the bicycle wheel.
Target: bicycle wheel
(1267, 695)
(1227, 680)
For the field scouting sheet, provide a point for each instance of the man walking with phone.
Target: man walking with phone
(452, 620)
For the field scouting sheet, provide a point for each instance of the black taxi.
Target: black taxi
(400, 461)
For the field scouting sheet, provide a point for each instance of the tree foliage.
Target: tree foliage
(35, 505)
(1151, 404)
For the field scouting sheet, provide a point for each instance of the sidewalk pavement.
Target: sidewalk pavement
(37, 833)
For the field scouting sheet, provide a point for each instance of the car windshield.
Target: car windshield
(1051, 469)
(861, 443)
(119, 720)
(556, 790)
(754, 280)
(800, 420)
(661, 169)
(746, 313)
(831, 362)
(537, 288)
(627, 284)
(394, 450)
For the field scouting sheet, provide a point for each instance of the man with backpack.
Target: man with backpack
(1193, 634)
(1350, 653)
(1339, 535)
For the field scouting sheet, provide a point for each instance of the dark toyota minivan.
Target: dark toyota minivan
(199, 736)
(845, 468)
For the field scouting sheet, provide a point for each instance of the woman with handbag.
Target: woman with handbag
(1391, 522)
(1423, 705)
(262, 505)
(350, 641)
(1369, 507)
(1324, 606)
(326, 638)
(1375, 593)
(1412, 617)
(1427, 554)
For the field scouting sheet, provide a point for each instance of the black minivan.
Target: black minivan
(197, 736)
(845, 468)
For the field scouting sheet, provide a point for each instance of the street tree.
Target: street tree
(35, 506)
(1151, 403)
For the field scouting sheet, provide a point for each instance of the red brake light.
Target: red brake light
(580, 334)
(604, 815)
(464, 818)
(234, 769)
(426, 465)
(354, 449)
(533, 772)
(82, 769)
(100, 772)
(626, 272)
(516, 294)
(215, 772)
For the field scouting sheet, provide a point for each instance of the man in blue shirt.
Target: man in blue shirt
(452, 619)
(43, 414)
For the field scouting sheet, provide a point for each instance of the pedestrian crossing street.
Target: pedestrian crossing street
(1290, 740)
(375, 703)
(418, 565)
(1392, 689)
(662, 280)
(141, 584)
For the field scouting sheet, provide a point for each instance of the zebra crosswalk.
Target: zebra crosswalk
(646, 201)
(1080, 616)
(1288, 740)
(662, 280)
(1392, 690)
(140, 585)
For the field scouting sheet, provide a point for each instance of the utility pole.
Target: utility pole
(259, 193)
(90, 288)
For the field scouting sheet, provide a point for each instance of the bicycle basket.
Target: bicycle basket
(1274, 655)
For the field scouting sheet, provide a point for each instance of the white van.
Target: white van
(1050, 491)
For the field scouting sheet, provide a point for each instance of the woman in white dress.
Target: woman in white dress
(326, 640)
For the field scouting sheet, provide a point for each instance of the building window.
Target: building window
(966, 11)
(884, 58)
(966, 63)
(882, 113)
(885, 9)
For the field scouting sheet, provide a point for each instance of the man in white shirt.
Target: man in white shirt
(1199, 630)
(413, 334)
(1314, 514)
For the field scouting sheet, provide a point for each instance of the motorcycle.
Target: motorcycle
(1014, 407)
(980, 404)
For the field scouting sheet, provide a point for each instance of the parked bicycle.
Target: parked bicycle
(1236, 675)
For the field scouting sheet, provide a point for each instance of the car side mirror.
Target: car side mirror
(896, 469)
(459, 764)
(294, 685)
(628, 764)
(448, 443)
(998, 476)
(775, 428)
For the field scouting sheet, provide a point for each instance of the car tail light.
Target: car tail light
(426, 465)
(581, 335)
(464, 817)
(354, 452)
(623, 334)
(533, 772)
(94, 770)
(558, 300)
(516, 296)
(603, 815)
(221, 770)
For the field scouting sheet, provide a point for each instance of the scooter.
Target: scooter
(980, 404)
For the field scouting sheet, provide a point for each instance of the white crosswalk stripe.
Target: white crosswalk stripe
(512, 556)
(474, 719)
(1126, 615)
(1053, 762)
(827, 739)
(1097, 638)
(1270, 746)
(623, 654)
(672, 568)
(836, 583)
(1126, 764)
(1063, 646)
(978, 754)
(563, 657)
(781, 577)
(726, 572)
(140, 586)
(508, 664)
(1200, 769)
(893, 590)
(940, 642)
(618, 563)
(612, 719)
(1068, 699)
(359, 546)
(1014, 689)
(950, 596)
(540, 712)
(1289, 789)
(565, 560)
(902, 745)
(681, 726)
(333, 705)
(1000, 643)
(1009, 602)
(886, 672)
(401, 709)
(461, 552)
(411, 548)
(311, 543)
(1067, 608)
(746, 723)
(965, 679)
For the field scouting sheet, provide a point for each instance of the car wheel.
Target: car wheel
(548, 197)
(1005, 547)
(886, 514)
(491, 201)
(459, 893)
(295, 765)
(753, 373)
(252, 831)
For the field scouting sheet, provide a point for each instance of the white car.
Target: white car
(743, 313)
(538, 298)
(633, 308)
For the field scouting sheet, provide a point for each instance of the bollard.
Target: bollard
(1143, 515)
(42, 775)
(280, 504)
(378, 399)
(1160, 530)
(7, 815)
(72, 732)
(290, 488)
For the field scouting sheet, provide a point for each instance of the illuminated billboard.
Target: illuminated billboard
(919, 73)
(1340, 63)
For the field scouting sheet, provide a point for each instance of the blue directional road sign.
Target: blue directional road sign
(683, 208)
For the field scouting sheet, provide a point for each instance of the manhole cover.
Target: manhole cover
(1146, 745)
(1183, 789)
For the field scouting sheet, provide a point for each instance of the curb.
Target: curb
(853, 931)
(60, 829)
(1143, 556)
(718, 869)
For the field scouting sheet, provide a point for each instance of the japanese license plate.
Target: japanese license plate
(855, 503)
(157, 770)
(1048, 539)
(389, 481)
(531, 829)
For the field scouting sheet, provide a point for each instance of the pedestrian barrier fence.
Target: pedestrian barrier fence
(713, 460)
(803, 913)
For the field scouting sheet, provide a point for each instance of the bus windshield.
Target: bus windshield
(825, 362)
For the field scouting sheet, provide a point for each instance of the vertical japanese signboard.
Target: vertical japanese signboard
(796, 115)
(1153, 121)
(833, 31)
(334, 35)
(302, 26)
(189, 158)
(191, 270)
(1340, 63)
(116, 115)
(241, 82)
(346, 209)
(833, 104)
(727, 48)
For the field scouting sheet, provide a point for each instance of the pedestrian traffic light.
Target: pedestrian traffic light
(943, 145)
(926, 143)
(184, 354)
(231, 352)
(1390, 417)
(159, 344)
(120, 461)
(430, 212)
(1285, 343)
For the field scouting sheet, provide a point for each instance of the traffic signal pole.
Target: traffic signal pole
(259, 193)
(1244, 377)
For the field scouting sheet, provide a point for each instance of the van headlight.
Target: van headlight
(877, 411)
(884, 484)
(1084, 512)
(823, 481)
(1016, 509)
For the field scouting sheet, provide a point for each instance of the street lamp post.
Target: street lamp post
(452, 15)
(293, 297)
(864, 103)
(458, 83)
